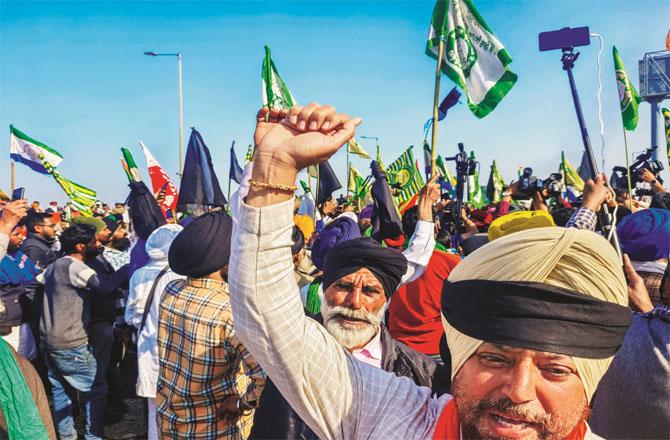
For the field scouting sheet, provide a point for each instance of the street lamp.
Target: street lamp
(181, 109)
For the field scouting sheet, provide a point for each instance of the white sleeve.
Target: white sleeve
(419, 251)
(133, 300)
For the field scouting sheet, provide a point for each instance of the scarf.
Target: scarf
(18, 406)
(448, 426)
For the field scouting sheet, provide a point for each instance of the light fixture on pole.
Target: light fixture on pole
(181, 106)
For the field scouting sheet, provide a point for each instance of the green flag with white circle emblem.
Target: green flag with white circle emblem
(628, 97)
(405, 178)
(473, 57)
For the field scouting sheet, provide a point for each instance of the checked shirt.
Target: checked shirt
(201, 363)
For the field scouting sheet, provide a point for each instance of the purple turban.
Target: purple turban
(645, 234)
(367, 212)
(337, 231)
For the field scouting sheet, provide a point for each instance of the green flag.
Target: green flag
(628, 97)
(666, 118)
(82, 198)
(473, 57)
(133, 172)
(475, 194)
(448, 181)
(275, 92)
(496, 184)
(356, 184)
(404, 178)
(571, 176)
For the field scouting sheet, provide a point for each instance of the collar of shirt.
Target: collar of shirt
(207, 283)
(371, 353)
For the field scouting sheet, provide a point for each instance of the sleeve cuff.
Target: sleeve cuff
(267, 219)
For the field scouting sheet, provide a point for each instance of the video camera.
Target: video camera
(619, 179)
(529, 184)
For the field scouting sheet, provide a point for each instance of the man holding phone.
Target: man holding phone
(10, 216)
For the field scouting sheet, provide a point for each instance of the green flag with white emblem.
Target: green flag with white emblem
(473, 57)
(628, 97)
(275, 92)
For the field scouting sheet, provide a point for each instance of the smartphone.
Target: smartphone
(19, 194)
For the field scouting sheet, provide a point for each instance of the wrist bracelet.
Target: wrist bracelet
(288, 188)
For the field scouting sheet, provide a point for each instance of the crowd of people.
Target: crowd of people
(261, 322)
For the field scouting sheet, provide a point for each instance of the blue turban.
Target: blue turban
(645, 234)
(337, 231)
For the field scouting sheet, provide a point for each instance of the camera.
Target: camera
(644, 161)
(529, 184)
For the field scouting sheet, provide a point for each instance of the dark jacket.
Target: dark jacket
(103, 297)
(38, 250)
(42, 254)
(275, 419)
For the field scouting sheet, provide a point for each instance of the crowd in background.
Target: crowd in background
(95, 310)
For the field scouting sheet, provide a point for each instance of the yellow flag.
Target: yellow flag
(355, 148)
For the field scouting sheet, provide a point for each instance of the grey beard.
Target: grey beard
(348, 337)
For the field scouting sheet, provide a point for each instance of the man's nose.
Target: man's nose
(354, 298)
(520, 385)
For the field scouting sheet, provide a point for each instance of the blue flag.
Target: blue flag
(448, 102)
(199, 185)
(386, 222)
(236, 171)
(328, 183)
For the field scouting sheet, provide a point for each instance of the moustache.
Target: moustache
(360, 315)
(507, 407)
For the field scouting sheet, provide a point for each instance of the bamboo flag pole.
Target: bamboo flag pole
(436, 103)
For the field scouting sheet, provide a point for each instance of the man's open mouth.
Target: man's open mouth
(508, 421)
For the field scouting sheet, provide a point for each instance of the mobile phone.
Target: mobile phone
(19, 194)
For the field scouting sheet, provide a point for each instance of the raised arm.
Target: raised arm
(328, 389)
(422, 242)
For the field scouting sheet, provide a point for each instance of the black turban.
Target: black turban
(386, 264)
(203, 247)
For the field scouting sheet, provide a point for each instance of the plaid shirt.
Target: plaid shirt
(583, 218)
(201, 362)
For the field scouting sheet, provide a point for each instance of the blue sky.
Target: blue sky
(72, 75)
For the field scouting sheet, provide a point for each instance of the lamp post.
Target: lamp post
(181, 106)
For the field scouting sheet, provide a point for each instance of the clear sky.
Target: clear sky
(74, 77)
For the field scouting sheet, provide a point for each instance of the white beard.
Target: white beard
(349, 337)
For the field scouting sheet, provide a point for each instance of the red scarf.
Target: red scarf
(448, 427)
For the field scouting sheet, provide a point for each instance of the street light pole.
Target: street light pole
(181, 119)
(181, 104)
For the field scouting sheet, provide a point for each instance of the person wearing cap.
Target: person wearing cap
(208, 383)
(104, 314)
(530, 331)
(65, 332)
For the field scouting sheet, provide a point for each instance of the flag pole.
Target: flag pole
(316, 193)
(348, 170)
(436, 103)
(630, 185)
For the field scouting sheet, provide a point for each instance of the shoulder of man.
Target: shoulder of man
(79, 273)
(405, 361)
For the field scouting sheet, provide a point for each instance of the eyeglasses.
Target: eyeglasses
(46, 225)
